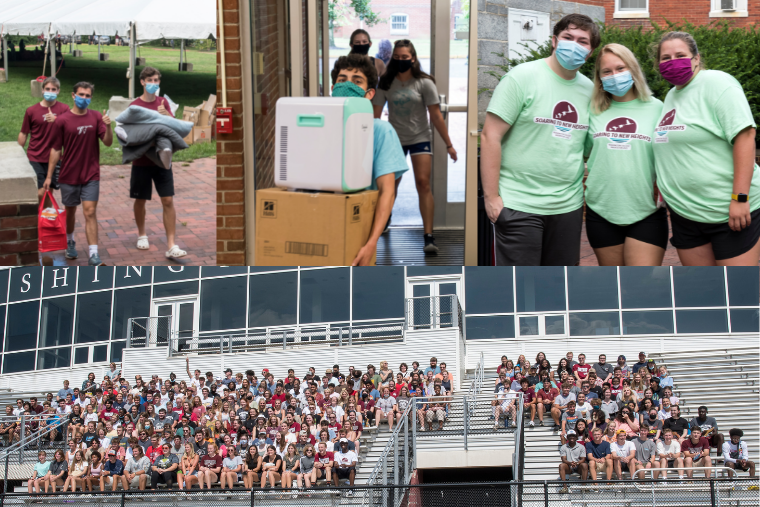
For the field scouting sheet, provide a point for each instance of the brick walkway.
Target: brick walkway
(194, 200)
(589, 259)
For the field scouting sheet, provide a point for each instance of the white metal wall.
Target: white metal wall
(52, 380)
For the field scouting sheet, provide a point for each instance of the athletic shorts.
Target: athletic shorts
(417, 149)
(603, 233)
(344, 473)
(528, 239)
(41, 169)
(671, 463)
(73, 195)
(142, 179)
(726, 243)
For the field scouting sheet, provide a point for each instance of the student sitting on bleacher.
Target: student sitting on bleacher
(735, 453)
(709, 428)
(646, 452)
(696, 451)
(623, 454)
(678, 424)
(669, 452)
(599, 455)
(573, 457)
(529, 399)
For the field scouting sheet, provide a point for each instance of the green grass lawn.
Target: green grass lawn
(109, 78)
(459, 48)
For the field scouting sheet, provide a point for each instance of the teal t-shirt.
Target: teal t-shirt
(693, 147)
(620, 182)
(388, 156)
(542, 152)
(42, 468)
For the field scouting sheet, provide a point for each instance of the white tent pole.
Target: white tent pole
(52, 56)
(220, 48)
(132, 43)
(6, 63)
(181, 52)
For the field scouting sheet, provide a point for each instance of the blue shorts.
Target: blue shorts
(417, 149)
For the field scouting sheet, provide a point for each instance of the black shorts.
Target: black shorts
(141, 182)
(41, 169)
(603, 233)
(344, 473)
(726, 244)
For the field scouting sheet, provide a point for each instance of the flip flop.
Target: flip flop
(175, 252)
(142, 243)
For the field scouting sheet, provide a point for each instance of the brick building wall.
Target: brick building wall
(693, 11)
(18, 235)
(230, 203)
(419, 19)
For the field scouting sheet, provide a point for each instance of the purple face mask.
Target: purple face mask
(677, 71)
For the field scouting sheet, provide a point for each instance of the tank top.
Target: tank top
(290, 462)
(95, 472)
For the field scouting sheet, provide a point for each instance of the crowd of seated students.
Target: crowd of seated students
(615, 418)
(239, 430)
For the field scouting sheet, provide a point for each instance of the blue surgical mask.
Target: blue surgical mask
(81, 102)
(570, 54)
(348, 89)
(152, 88)
(49, 96)
(618, 84)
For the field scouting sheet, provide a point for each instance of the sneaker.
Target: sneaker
(71, 249)
(540, 423)
(388, 224)
(95, 260)
(496, 426)
(430, 246)
(514, 424)
(349, 494)
(531, 424)
(564, 490)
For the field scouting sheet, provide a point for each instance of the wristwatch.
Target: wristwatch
(740, 197)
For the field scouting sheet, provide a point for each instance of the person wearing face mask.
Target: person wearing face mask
(704, 150)
(532, 151)
(624, 224)
(37, 127)
(75, 144)
(411, 95)
(361, 43)
(355, 76)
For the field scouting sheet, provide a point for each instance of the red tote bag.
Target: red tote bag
(51, 225)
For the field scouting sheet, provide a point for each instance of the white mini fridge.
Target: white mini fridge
(324, 143)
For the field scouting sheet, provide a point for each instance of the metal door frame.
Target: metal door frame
(175, 301)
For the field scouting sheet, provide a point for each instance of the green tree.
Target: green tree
(340, 10)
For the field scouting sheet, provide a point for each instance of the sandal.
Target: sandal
(142, 243)
(175, 252)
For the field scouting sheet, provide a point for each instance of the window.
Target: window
(745, 320)
(540, 289)
(378, 292)
(500, 326)
(209, 271)
(16, 363)
(399, 24)
(4, 284)
(701, 321)
(129, 303)
(2, 327)
(100, 277)
(743, 286)
(699, 286)
(58, 281)
(728, 8)
(171, 273)
(116, 350)
(93, 319)
(592, 288)
(169, 290)
(273, 299)
(25, 284)
(223, 303)
(324, 295)
(22, 326)
(488, 290)
(594, 323)
(645, 287)
(56, 322)
(127, 276)
(648, 322)
(529, 325)
(631, 9)
(433, 270)
(54, 358)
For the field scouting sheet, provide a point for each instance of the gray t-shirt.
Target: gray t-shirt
(563, 400)
(603, 370)
(645, 450)
(705, 425)
(407, 108)
(573, 453)
(141, 464)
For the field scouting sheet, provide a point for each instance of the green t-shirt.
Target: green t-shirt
(620, 182)
(542, 153)
(693, 150)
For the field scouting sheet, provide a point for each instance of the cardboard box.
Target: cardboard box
(201, 134)
(312, 229)
(191, 114)
(203, 118)
(210, 104)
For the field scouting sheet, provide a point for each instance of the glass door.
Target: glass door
(541, 325)
(175, 318)
(433, 304)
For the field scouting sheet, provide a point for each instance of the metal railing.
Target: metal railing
(708, 493)
(518, 457)
(283, 337)
(476, 386)
(433, 312)
(149, 331)
(400, 451)
(725, 472)
(31, 441)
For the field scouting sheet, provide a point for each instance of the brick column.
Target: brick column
(230, 202)
(18, 235)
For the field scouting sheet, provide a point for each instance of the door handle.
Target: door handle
(443, 105)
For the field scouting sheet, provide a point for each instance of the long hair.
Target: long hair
(600, 98)
(356, 32)
(392, 70)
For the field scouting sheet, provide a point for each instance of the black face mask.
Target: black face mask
(403, 65)
(360, 49)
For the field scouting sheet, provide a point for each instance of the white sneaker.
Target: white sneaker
(531, 424)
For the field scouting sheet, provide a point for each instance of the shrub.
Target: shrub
(735, 51)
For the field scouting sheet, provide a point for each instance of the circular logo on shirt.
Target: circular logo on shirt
(668, 118)
(622, 124)
(565, 111)
(666, 125)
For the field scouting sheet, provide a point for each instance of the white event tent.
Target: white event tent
(140, 20)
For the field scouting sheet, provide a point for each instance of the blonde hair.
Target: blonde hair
(601, 99)
(189, 455)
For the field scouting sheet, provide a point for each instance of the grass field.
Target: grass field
(459, 48)
(109, 78)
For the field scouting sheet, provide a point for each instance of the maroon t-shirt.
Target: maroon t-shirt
(581, 370)
(699, 447)
(209, 462)
(356, 426)
(78, 136)
(145, 161)
(42, 131)
(547, 397)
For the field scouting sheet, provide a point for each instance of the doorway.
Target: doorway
(177, 318)
(433, 303)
